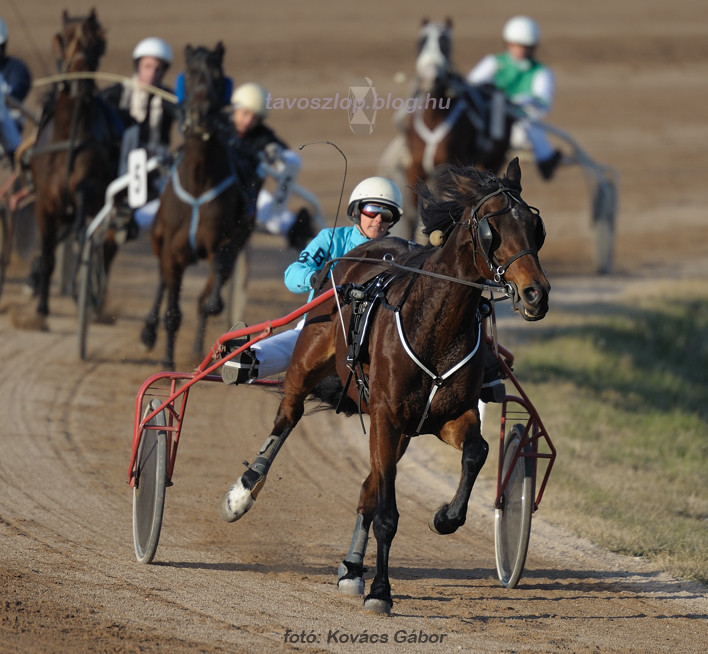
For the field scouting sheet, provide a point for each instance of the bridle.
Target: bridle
(77, 49)
(481, 231)
(194, 124)
(482, 237)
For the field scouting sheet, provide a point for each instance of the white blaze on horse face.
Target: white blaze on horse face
(431, 62)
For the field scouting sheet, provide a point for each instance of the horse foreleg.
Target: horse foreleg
(350, 579)
(148, 336)
(463, 433)
(173, 317)
(350, 574)
(210, 302)
(383, 469)
(45, 269)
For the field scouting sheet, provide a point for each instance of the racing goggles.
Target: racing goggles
(372, 210)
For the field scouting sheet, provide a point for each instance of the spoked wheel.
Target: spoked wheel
(92, 289)
(512, 521)
(150, 484)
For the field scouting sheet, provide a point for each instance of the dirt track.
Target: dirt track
(629, 76)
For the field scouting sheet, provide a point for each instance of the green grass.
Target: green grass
(623, 393)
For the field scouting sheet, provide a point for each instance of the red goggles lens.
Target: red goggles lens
(373, 210)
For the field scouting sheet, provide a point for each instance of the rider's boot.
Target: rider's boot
(243, 367)
(242, 495)
(547, 167)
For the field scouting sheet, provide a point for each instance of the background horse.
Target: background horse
(203, 213)
(74, 157)
(452, 122)
(421, 363)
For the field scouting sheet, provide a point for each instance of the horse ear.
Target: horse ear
(58, 47)
(448, 23)
(65, 18)
(188, 50)
(219, 50)
(424, 22)
(513, 171)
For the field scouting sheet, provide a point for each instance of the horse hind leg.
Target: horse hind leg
(451, 516)
(306, 373)
(239, 499)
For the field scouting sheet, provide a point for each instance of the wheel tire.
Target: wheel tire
(512, 521)
(150, 484)
(5, 245)
(604, 210)
(92, 290)
(238, 289)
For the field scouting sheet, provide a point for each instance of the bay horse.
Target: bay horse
(74, 157)
(451, 121)
(420, 364)
(203, 211)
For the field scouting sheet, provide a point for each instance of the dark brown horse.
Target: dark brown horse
(451, 122)
(420, 365)
(74, 157)
(203, 213)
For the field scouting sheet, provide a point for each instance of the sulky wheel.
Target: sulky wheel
(512, 522)
(150, 484)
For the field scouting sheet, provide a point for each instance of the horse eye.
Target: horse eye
(540, 234)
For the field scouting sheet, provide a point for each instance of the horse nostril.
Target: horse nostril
(532, 295)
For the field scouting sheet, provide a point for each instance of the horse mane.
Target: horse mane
(443, 200)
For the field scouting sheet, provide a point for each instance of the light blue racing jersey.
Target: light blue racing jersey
(298, 275)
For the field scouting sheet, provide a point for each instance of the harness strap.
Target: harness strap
(438, 380)
(433, 137)
(196, 203)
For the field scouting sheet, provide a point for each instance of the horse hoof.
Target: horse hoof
(213, 307)
(441, 526)
(378, 605)
(235, 503)
(148, 337)
(351, 586)
(431, 524)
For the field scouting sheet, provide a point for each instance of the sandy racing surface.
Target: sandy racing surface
(631, 79)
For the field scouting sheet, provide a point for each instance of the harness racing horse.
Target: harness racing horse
(74, 156)
(202, 213)
(415, 352)
(451, 121)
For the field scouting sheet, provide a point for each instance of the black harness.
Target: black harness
(364, 301)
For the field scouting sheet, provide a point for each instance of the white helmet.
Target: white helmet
(3, 31)
(251, 96)
(153, 47)
(379, 190)
(522, 30)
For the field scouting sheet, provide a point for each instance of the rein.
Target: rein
(390, 263)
